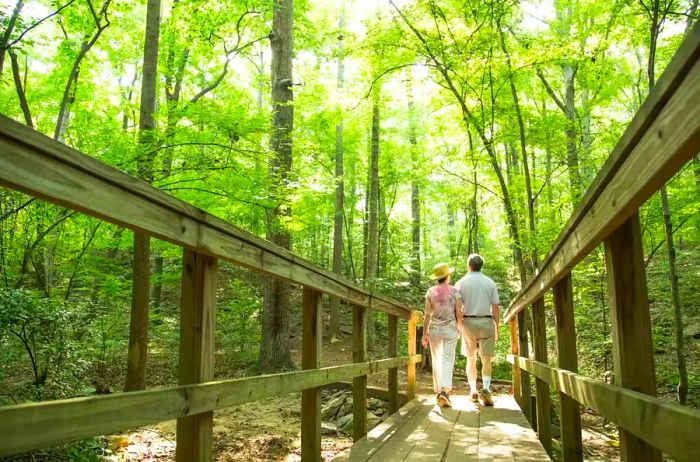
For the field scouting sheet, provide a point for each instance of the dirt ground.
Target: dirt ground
(269, 430)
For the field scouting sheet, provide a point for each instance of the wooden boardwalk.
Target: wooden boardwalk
(422, 431)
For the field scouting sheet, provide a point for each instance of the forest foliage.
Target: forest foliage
(491, 120)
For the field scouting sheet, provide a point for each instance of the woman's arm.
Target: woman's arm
(426, 321)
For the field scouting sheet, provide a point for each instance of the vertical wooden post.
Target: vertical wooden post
(411, 369)
(572, 447)
(516, 369)
(194, 433)
(359, 384)
(544, 419)
(523, 350)
(631, 326)
(311, 359)
(393, 383)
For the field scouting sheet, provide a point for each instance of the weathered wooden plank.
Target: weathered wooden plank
(399, 445)
(633, 357)
(662, 137)
(513, 329)
(572, 446)
(670, 427)
(359, 383)
(393, 379)
(539, 343)
(433, 443)
(311, 359)
(196, 365)
(372, 392)
(524, 376)
(464, 444)
(411, 370)
(31, 426)
(515, 429)
(44, 168)
(363, 449)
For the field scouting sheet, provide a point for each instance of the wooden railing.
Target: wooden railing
(662, 137)
(43, 168)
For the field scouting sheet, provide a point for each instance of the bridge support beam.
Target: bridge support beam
(393, 379)
(359, 384)
(572, 446)
(411, 370)
(631, 326)
(544, 418)
(194, 433)
(311, 359)
(517, 393)
(523, 350)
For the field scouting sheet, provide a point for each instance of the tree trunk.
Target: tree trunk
(21, 95)
(532, 240)
(8, 33)
(101, 23)
(415, 186)
(334, 324)
(138, 333)
(572, 160)
(372, 222)
(657, 21)
(274, 349)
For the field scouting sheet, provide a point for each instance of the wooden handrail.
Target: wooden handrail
(669, 427)
(662, 137)
(25, 427)
(41, 167)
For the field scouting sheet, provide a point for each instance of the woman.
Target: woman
(442, 328)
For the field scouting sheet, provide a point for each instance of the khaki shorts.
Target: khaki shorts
(479, 334)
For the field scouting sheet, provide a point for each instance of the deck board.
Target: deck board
(464, 433)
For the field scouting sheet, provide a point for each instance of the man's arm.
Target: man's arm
(495, 311)
(459, 315)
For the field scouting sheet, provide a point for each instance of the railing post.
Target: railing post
(516, 369)
(393, 380)
(194, 433)
(359, 384)
(631, 326)
(523, 350)
(311, 359)
(572, 447)
(411, 369)
(544, 419)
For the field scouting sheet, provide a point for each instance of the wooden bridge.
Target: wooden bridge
(663, 136)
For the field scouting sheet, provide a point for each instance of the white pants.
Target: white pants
(443, 340)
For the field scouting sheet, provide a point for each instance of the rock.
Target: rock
(344, 424)
(347, 407)
(374, 403)
(331, 408)
(328, 428)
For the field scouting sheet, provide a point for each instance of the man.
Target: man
(480, 327)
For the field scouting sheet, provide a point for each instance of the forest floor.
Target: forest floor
(269, 430)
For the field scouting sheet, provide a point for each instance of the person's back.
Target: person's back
(480, 327)
(478, 292)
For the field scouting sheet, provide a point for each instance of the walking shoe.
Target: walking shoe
(486, 398)
(475, 397)
(444, 399)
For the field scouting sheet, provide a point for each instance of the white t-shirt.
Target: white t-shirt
(479, 292)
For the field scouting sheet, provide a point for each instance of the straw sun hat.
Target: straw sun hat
(441, 270)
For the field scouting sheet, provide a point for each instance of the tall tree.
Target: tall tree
(334, 326)
(415, 185)
(373, 219)
(657, 12)
(274, 348)
(138, 327)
